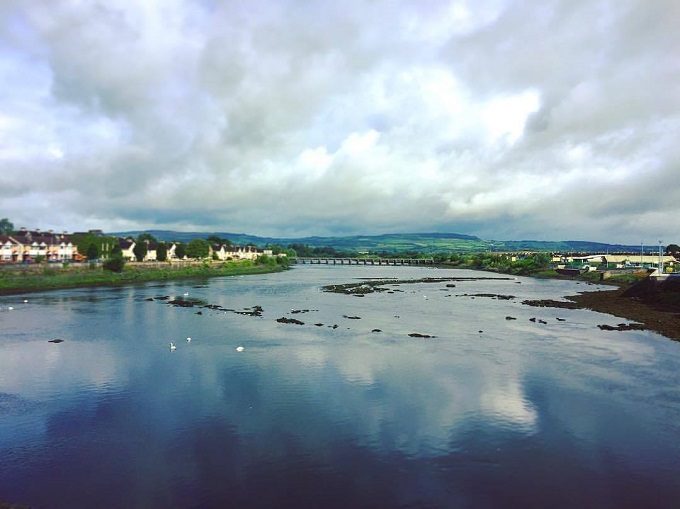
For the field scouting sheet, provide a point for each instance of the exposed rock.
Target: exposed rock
(254, 311)
(56, 340)
(543, 322)
(489, 295)
(365, 287)
(624, 326)
(532, 319)
(150, 299)
(419, 335)
(283, 319)
(376, 330)
(182, 303)
(199, 312)
(352, 317)
(510, 318)
(319, 324)
(560, 319)
(550, 303)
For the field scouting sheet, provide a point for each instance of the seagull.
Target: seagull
(25, 301)
(239, 348)
(188, 340)
(10, 308)
(172, 346)
(186, 294)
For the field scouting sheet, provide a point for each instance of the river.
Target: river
(490, 412)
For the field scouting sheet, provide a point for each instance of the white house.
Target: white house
(127, 247)
(10, 249)
(225, 252)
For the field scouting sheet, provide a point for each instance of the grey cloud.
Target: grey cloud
(507, 119)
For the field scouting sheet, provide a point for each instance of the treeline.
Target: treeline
(305, 251)
(521, 265)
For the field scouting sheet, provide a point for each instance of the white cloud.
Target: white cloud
(284, 118)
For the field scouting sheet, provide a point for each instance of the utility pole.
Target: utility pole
(660, 260)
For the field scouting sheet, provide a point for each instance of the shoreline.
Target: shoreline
(21, 283)
(613, 302)
(665, 322)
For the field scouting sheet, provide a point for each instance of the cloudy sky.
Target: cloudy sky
(542, 119)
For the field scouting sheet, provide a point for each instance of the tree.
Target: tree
(180, 250)
(6, 226)
(673, 250)
(198, 248)
(92, 252)
(104, 243)
(162, 252)
(140, 250)
(116, 250)
(146, 237)
(214, 239)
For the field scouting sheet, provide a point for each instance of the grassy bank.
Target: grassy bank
(17, 281)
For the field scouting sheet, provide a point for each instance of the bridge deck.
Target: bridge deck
(362, 261)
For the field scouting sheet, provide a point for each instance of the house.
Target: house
(151, 251)
(218, 250)
(127, 247)
(239, 252)
(10, 249)
(172, 247)
(46, 245)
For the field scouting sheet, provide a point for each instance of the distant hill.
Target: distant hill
(398, 242)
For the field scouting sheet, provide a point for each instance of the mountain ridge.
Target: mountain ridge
(431, 242)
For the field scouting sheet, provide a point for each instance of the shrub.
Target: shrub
(115, 264)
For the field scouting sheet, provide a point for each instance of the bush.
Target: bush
(198, 248)
(115, 264)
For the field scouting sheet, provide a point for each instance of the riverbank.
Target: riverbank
(664, 320)
(657, 311)
(638, 300)
(15, 282)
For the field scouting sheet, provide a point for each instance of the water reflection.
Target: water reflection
(563, 415)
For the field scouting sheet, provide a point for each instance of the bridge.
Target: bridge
(362, 261)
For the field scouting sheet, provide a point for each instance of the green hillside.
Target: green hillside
(427, 243)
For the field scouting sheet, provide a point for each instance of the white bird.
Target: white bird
(188, 340)
(10, 308)
(239, 348)
(25, 301)
(186, 294)
(172, 346)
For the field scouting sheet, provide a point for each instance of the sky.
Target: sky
(535, 119)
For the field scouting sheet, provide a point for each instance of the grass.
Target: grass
(51, 279)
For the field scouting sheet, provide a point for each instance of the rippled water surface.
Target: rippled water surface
(489, 413)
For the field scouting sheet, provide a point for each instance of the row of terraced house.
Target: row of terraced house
(26, 245)
(33, 245)
(221, 252)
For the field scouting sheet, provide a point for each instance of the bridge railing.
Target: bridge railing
(361, 261)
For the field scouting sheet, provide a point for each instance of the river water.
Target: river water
(488, 413)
